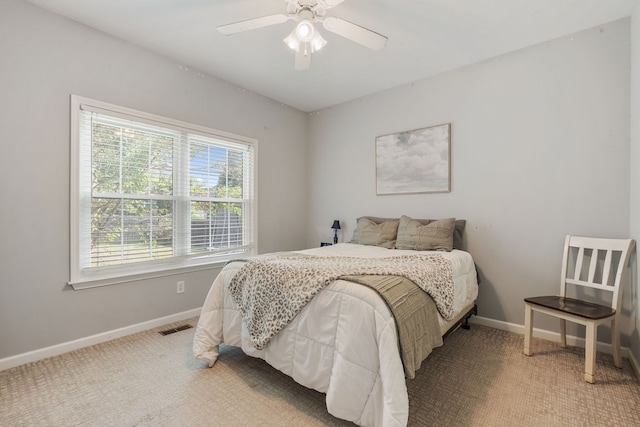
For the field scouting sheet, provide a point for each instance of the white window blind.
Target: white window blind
(151, 194)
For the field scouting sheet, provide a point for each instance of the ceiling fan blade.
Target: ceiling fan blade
(252, 24)
(303, 62)
(328, 4)
(354, 32)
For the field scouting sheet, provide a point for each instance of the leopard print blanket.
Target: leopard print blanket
(270, 290)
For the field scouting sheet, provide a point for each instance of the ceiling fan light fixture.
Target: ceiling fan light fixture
(305, 39)
(292, 41)
(305, 31)
(318, 42)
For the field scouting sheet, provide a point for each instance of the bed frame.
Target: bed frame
(461, 320)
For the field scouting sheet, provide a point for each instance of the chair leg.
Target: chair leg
(615, 343)
(563, 332)
(528, 328)
(590, 353)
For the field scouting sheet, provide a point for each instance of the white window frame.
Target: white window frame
(82, 277)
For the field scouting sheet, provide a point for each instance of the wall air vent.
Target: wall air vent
(174, 330)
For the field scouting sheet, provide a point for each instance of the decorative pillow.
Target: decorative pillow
(368, 232)
(435, 236)
(457, 231)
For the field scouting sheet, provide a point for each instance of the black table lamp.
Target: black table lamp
(336, 227)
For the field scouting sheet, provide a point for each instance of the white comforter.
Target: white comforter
(343, 343)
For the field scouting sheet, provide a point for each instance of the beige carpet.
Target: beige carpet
(479, 378)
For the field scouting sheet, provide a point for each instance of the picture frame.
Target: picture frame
(415, 161)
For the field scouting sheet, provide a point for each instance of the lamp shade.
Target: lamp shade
(336, 225)
(317, 42)
(305, 31)
(292, 41)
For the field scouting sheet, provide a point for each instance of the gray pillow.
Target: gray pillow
(457, 231)
(434, 236)
(368, 232)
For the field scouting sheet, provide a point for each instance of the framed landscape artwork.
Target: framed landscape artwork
(415, 161)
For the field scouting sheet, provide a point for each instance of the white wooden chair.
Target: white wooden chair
(589, 264)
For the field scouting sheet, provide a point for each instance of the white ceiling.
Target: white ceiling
(426, 37)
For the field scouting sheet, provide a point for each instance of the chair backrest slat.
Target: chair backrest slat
(607, 266)
(592, 266)
(578, 270)
(583, 250)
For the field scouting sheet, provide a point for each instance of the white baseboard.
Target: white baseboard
(544, 334)
(555, 336)
(55, 350)
(635, 365)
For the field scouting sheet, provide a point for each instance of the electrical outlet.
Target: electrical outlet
(180, 287)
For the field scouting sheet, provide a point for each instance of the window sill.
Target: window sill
(90, 283)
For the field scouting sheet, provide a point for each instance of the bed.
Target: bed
(344, 341)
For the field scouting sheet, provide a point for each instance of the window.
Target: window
(151, 194)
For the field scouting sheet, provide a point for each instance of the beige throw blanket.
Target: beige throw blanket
(415, 316)
(271, 290)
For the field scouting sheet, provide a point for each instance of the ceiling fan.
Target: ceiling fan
(305, 39)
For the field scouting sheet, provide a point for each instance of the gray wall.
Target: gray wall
(540, 149)
(635, 176)
(45, 58)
